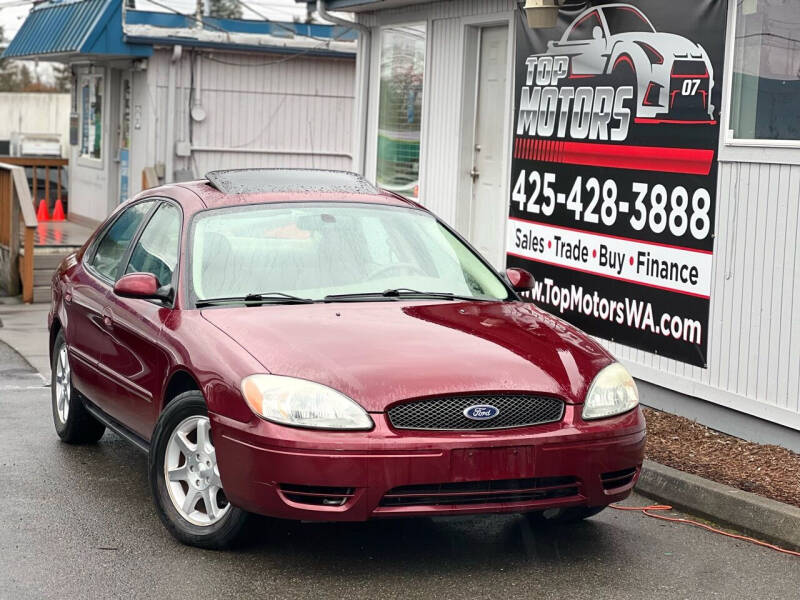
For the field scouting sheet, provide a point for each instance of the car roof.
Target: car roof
(258, 186)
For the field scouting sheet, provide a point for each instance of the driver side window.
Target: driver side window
(114, 244)
(156, 251)
(583, 29)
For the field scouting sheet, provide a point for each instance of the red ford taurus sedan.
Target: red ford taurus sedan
(302, 345)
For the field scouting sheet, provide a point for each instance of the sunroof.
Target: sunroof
(261, 181)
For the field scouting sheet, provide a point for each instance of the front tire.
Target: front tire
(184, 477)
(72, 421)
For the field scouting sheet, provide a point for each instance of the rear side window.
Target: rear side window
(156, 251)
(114, 244)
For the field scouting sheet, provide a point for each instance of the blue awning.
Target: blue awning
(362, 5)
(66, 27)
(60, 29)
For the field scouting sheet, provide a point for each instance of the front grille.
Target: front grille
(617, 479)
(515, 410)
(689, 68)
(482, 492)
(317, 495)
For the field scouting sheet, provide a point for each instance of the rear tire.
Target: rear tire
(184, 478)
(556, 516)
(73, 423)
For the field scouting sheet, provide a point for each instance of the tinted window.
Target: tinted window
(624, 19)
(583, 28)
(156, 251)
(111, 249)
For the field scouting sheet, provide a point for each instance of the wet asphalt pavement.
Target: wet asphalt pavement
(78, 522)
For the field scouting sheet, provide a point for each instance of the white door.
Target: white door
(489, 206)
(124, 137)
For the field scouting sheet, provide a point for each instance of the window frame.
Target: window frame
(756, 151)
(83, 79)
(375, 92)
(175, 281)
(90, 253)
(192, 299)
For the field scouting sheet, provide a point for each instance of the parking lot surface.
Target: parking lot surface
(78, 522)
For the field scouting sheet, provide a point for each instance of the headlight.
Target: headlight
(612, 392)
(302, 403)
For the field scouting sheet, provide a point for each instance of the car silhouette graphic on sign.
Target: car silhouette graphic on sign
(672, 76)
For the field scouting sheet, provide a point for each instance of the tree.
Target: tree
(63, 75)
(25, 77)
(225, 9)
(8, 72)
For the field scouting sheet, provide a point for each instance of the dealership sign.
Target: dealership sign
(614, 172)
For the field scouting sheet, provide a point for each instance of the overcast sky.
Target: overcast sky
(12, 16)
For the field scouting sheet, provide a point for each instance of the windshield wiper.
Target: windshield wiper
(266, 298)
(396, 293)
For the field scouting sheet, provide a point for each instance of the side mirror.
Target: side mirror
(142, 285)
(597, 33)
(520, 280)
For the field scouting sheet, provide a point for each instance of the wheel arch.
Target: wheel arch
(180, 380)
(637, 57)
(55, 327)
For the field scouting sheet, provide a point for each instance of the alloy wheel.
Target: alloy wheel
(192, 474)
(63, 385)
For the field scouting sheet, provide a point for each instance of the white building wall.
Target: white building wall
(262, 110)
(440, 172)
(35, 113)
(754, 337)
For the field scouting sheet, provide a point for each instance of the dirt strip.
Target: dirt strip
(769, 471)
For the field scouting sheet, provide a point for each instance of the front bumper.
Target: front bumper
(300, 474)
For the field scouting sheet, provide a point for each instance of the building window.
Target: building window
(766, 71)
(91, 99)
(400, 108)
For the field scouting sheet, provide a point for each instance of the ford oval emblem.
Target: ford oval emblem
(481, 412)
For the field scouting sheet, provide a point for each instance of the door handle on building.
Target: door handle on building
(474, 173)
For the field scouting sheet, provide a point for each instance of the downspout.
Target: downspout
(169, 137)
(361, 107)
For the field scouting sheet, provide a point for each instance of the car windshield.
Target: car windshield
(624, 19)
(316, 251)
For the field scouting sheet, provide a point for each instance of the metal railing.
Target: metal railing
(16, 209)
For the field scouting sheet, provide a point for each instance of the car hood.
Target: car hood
(382, 352)
(668, 44)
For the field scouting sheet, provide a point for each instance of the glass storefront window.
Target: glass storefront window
(766, 71)
(400, 108)
(91, 99)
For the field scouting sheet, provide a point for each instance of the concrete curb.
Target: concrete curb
(751, 514)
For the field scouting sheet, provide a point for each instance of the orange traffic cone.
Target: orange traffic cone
(42, 214)
(58, 211)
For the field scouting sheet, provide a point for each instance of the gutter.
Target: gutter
(169, 138)
(361, 107)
